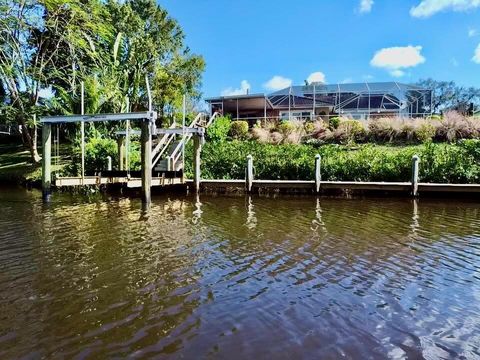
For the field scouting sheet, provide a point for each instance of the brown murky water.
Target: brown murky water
(233, 277)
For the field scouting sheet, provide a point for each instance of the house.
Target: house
(309, 102)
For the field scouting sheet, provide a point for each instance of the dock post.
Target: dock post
(46, 159)
(121, 152)
(197, 146)
(415, 164)
(146, 161)
(249, 174)
(109, 163)
(318, 174)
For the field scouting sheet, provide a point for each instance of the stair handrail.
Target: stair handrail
(175, 155)
(162, 145)
(187, 137)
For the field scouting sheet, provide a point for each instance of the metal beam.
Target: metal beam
(152, 115)
(187, 130)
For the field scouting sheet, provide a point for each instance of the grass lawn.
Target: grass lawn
(16, 166)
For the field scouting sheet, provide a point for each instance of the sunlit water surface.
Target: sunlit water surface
(238, 277)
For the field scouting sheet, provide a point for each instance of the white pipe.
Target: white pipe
(149, 94)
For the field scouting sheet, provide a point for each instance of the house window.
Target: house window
(296, 115)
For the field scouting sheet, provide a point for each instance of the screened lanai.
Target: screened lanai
(355, 100)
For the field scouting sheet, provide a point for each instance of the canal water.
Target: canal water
(237, 277)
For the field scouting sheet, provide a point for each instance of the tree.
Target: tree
(152, 43)
(40, 43)
(447, 95)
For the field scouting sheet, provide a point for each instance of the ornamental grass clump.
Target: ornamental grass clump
(350, 131)
(455, 126)
(385, 129)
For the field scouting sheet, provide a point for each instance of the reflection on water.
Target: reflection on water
(238, 277)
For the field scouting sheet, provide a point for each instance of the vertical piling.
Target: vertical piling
(46, 158)
(415, 167)
(197, 145)
(121, 152)
(109, 163)
(318, 174)
(146, 158)
(249, 174)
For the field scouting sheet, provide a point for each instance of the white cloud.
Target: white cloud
(454, 62)
(476, 56)
(346, 80)
(317, 76)
(244, 88)
(394, 59)
(427, 8)
(472, 32)
(277, 83)
(365, 6)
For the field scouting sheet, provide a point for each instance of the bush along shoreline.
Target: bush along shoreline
(440, 163)
(379, 150)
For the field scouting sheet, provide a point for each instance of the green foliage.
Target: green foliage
(309, 127)
(97, 149)
(434, 117)
(333, 122)
(286, 127)
(439, 162)
(220, 128)
(110, 45)
(239, 129)
(425, 132)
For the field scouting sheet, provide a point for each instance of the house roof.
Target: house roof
(365, 87)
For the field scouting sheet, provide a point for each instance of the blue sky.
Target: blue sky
(267, 44)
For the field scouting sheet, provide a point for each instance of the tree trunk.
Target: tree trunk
(29, 141)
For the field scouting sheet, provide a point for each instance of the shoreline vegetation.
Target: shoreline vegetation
(351, 150)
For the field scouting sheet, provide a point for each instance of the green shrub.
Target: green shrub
(333, 122)
(286, 127)
(434, 117)
(439, 162)
(309, 127)
(239, 129)
(425, 132)
(219, 130)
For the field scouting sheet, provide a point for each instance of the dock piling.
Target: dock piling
(318, 174)
(46, 159)
(415, 168)
(249, 174)
(121, 152)
(197, 145)
(146, 161)
(109, 163)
